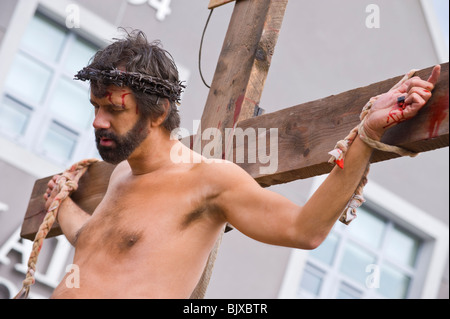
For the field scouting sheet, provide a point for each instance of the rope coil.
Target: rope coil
(66, 184)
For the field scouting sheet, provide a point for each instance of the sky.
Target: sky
(442, 7)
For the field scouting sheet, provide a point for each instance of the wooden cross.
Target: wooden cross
(306, 132)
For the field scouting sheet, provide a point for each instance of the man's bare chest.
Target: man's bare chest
(153, 213)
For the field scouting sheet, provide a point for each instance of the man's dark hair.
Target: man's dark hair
(135, 55)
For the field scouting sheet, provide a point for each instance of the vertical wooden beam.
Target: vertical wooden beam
(238, 82)
(217, 3)
(242, 68)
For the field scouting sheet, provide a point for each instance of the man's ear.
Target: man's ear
(160, 119)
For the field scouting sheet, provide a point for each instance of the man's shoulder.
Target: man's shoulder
(222, 172)
(213, 164)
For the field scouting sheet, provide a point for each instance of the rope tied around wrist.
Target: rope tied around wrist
(66, 184)
(342, 146)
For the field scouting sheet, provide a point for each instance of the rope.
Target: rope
(65, 185)
(342, 146)
(203, 283)
(382, 146)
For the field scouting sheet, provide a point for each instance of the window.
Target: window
(14, 116)
(375, 253)
(392, 250)
(42, 108)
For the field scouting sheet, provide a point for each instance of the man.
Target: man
(151, 235)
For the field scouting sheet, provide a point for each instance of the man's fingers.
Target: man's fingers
(418, 82)
(424, 93)
(51, 183)
(51, 187)
(435, 74)
(419, 91)
(416, 101)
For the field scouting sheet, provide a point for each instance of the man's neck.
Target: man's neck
(153, 154)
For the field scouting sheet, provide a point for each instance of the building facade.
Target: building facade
(397, 247)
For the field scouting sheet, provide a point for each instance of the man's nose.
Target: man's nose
(101, 120)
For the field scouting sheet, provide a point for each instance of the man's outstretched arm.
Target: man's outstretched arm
(271, 218)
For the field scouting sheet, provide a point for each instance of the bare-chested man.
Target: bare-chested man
(151, 235)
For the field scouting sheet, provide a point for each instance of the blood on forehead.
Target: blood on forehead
(123, 98)
(118, 96)
(113, 95)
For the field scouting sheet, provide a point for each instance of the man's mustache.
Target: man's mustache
(102, 133)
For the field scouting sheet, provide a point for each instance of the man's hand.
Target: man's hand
(70, 217)
(386, 111)
(53, 188)
(51, 192)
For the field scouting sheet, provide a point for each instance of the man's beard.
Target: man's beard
(124, 145)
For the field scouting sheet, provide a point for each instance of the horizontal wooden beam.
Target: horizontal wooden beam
(307, 132)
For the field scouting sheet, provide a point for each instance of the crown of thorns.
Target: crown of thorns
(140, 82)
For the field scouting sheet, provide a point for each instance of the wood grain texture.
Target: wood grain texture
(243, 66)
(217, 3)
